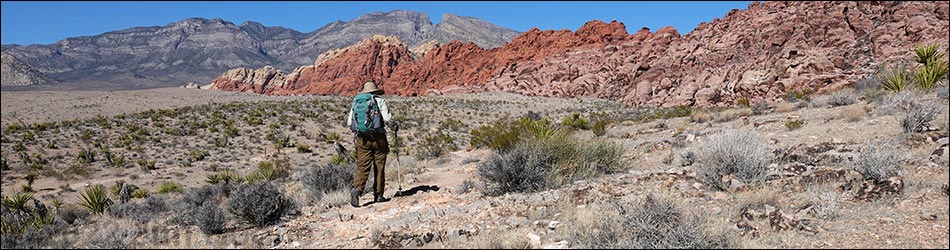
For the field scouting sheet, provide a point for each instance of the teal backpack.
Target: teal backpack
(366, 116)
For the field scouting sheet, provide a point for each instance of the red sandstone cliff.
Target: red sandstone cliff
(758, 53)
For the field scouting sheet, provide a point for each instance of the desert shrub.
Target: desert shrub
(465, 187)
(842, 98)
(70, 214)
(794, 124)
(303, 147)
(277, 168)
(140, 193)
(143, 212)
(119, 236)
(599, 128)
(575, 121)
(502, 135)
(652, 224)
(548, 162)
(660, 224)
(199, 206)
(197, 155)
(86, 155)
(918, 118)
(524, 168)
(95, 199)
(226, 176)
(738, 152)
(169, 187)
(146, 165)
(434, 145)
(259, 203)
(760, 108)
(210, 218)
(943, 92)
(894, 79)
(320, 180)
(877, 161)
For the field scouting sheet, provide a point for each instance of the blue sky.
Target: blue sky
(48, 22)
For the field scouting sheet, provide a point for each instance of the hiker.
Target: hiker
(368, 120)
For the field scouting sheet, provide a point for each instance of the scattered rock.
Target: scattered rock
(534, 239)
(557, 245)
(873, 189)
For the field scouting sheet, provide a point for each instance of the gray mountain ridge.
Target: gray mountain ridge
(199, 49)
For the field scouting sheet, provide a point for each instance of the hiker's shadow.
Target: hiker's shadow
(410, 192)
(416, 189)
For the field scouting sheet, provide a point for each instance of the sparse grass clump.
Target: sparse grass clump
(169, 187)
(842, 98)
(259, 203)
(878, 161)
(737, 152)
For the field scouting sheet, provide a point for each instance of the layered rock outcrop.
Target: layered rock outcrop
(759, 53)
(17, 73)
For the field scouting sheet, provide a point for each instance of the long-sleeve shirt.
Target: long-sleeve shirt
(383, 110)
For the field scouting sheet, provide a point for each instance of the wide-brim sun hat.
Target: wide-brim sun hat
(370, 87)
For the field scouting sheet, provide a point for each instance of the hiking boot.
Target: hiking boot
(355, 197)
(378, 197)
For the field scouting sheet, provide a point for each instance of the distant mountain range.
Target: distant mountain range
(197, 49)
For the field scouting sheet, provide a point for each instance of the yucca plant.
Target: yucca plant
(926, 53)
(929, 76)
(226, 176)
(18, 201)
(94, 198)
(895, 79)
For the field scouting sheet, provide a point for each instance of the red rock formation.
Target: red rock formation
(758, 53)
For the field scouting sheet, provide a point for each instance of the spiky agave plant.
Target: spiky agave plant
(94, 198)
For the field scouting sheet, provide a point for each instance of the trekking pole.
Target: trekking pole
(398, 173)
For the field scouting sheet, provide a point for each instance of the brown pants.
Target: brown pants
(371, 150)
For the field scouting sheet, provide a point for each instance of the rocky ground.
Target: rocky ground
(813, 198)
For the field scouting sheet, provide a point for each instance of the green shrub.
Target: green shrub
(599, 128)
(435, 144)
(146, 165)
(169, 187)
(794, 124)
(303, 148)
(278, 168)
(502, 135)
(575, 121)
(140, 193)
(86, 156)
(197, 155)
(744, 102)
(226, 176)
(95, 199)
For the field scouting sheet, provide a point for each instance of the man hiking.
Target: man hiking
(367, 119)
